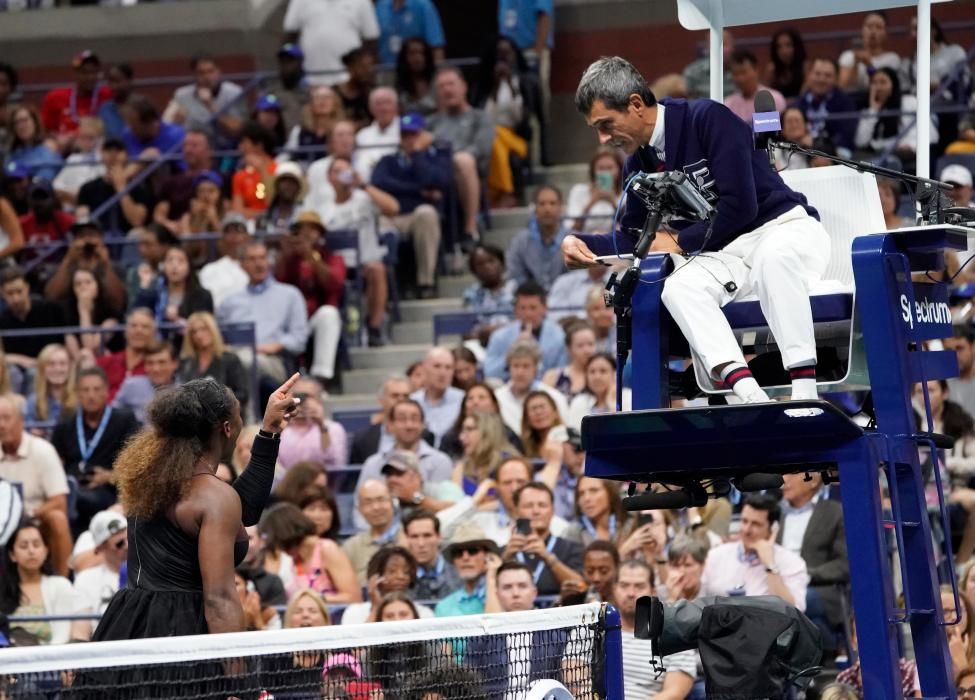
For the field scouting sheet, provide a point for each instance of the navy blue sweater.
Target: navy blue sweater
(714, 147)
(405, 177)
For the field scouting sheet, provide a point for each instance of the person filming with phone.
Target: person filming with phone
(551, 559)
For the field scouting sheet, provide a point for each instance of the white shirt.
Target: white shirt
(37, 468)
(495, 522)
(599, 218)
(657, 137)
(887, 59)
(638, 677)
(513, 407)
(95, 588)
(358, 613)
(321, 194)
(727, 569)
(223, 278)
(794, 524)
(329, 29)
(570, 289)
(582, 405)
(372, 143)
(78, 169)
(356, 213)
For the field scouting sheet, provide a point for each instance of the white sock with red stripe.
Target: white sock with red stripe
(740, 380)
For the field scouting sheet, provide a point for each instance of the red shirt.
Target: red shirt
(301, 274)
(54, 230)
(63, 107)
(116, 371)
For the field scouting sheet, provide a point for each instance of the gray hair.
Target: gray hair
(687, 546)
(525, 347)
(612, 80)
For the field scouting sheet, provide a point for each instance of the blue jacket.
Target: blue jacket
(708, 142)
(551, 341)
(818, 110)
(406, 176)
(489, 654)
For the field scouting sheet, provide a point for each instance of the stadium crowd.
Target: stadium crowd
(467, 492)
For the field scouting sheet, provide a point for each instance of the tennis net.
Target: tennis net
(457, 658)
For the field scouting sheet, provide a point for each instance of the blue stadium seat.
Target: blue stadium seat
(353, 420)
(454, 323)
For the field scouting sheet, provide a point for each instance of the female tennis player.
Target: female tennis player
(186, 526)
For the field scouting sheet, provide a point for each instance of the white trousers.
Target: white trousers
(778, 262)
(326, 324)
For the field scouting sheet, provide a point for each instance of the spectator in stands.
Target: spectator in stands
(530, 24)
(319, 505)
(131, 205)
(686, 557)
(224, 276)
(62, 108)
(96, 585)
(147, 136)
(28, 147)
(53, 394)
(137, 391)
(479, 397)
(89, 441)
(945, 60)
(288, 190)
(599, 513)
(756, 565)
(356, 208)
(509, 93)
(377, 438)
(440, 401)
(267, 113)
(277, 311)
(415, 67)
(602, 319)
(177, 191)
(33, 463)
(415, 177)
(290, 85)
(571, 470)
(898, 133)
(530, 323)
(206, 211)
(403, 20)
(890, 201)
(341, 144)
(45, 222)
(377, 509)
(543, 412)
(8, 91)
(307, 609)
(23, 311)
(87, 252)
(210, 104)
(812, 527)
(593, 204)
(177, 292)
(29, 587)
(857, 64)
(697, 73)
(87, 305)
(485, 446)
(523, 359)
(794, 129)
(406, 425)
(533, 254)
(83, 164)
(302, 477)
(391, 570)
(744, 73)
(354, 92)
(311, 437)
(599, 396)
(786, 69)
(823, 98)
(492, 295)
(470, 133)
(268, 586)
(552, 559)
(435, 576)
(636, 580)
(382, 136)
(319, 563)
(600, 569)
(252, 183)
(319, 274)
(960, 178)
(119, 78)
(416, 376)
(466, 371)
(326, 36)
(468, 552)
(140, 331)
(312, 136)
(15, 185)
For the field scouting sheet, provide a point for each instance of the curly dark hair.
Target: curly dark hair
(153, 470)
(379, 561)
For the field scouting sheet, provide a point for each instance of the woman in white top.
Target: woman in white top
(600, 393)
(593, 204)
(856, 64)
(28, 588)
(84, 165)
(877, 133)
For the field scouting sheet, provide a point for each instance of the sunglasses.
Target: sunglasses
(471, 551)
(962, 692)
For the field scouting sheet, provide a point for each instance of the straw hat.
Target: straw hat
(469, 534)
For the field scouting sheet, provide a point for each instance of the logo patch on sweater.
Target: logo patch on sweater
(700, 173)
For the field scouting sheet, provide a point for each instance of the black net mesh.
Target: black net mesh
(485, 666)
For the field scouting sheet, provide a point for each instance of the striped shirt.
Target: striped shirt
(639, 679)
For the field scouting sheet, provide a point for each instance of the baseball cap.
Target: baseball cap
(234, 218)
(16, 170)
(292, 51)
(208, 176)
(575, 438)
(341, 660)
(86, 56)
(105, 524)
(957, 174)
(40, 189)
(85, 222)
(267, 102)
(400, 461)
(412, 122)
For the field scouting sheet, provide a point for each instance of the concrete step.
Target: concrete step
(389, 357)
(514, 218)
(367, 381)
(564, 176)
(412, 332)
(453, 286)
(348, 402)
(424, 309)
